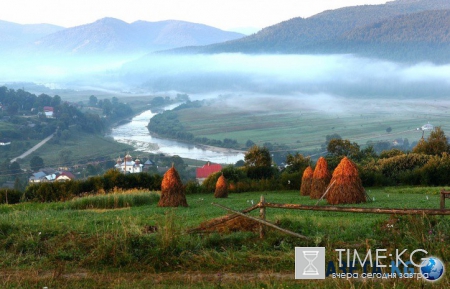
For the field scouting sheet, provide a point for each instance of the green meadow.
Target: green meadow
(123, 240)
(302, 126)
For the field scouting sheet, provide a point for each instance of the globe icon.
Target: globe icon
(433, 267)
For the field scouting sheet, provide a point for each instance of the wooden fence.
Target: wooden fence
(263, 205)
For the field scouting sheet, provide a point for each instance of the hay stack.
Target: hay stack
(305, 188)
(347, 187)
(221, 188)
(172, 190)
(321, 179)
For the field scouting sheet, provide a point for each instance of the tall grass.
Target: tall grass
(115, 200)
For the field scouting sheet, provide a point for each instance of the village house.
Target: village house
(48, 111)
(42, 176)
(205, 171)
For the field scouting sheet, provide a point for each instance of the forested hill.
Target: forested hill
(419, 36)
(326, 32)
(427, 27)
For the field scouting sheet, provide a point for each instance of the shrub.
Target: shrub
(436, 171)
(10, 196)
(193, 187)
(394, 167)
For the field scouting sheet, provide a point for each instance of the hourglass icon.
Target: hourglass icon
(310, 256)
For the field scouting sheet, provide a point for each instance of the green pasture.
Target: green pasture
(305, 128)
(83, 147)
(126, 241)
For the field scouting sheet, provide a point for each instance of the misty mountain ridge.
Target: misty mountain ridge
(13, 35)
(110, 35)
(336, 31)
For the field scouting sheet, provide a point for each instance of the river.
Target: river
(136, 134)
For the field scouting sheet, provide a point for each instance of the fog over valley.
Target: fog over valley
(334, 75)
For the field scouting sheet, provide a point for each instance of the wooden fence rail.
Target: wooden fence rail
(357, 210)
(262, 205)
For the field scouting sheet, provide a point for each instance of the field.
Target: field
(123, 240)
(302, 124)
(84, 147)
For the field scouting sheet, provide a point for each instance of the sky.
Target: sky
(223, 14)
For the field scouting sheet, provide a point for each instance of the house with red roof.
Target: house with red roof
(206, 171)
(48, 110)
(64, 176)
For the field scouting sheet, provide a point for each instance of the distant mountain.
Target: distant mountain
(109, 35)
(13, 35)
(324, 32)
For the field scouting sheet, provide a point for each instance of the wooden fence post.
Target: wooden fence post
(262, 216)
(442, 200)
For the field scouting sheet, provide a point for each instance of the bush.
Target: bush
(436, 171)
(209, 184)
(391, 153)
(9, 196)
(193, 187)
(61, 191)
(291, 181)
(395, 167)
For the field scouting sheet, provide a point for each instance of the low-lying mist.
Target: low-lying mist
(341, 75)
(330, 75)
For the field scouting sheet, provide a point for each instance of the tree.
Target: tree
(239, 163)
(36, 163)
(65, 156)
(258, 157)
(107, 107)
(436, 143)
(339, 148)
(13, 108)
(296, 163)
(14, 168)
(249, 144)
(56, 100)
(330, 137)
(93, 100)
(258, 163)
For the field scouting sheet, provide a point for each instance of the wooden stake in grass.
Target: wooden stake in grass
(321, 179)
(305, 188)
(172, 190)
(347, 187)
(221, 188)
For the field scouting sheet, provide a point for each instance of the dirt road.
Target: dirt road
(33, 148)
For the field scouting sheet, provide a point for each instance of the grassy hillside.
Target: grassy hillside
(66, 245)
(83, 148)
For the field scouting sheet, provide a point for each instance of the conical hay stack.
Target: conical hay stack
(172, 190)
(321, 179)
(221, 188)
(305, 188)
(347, 187)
